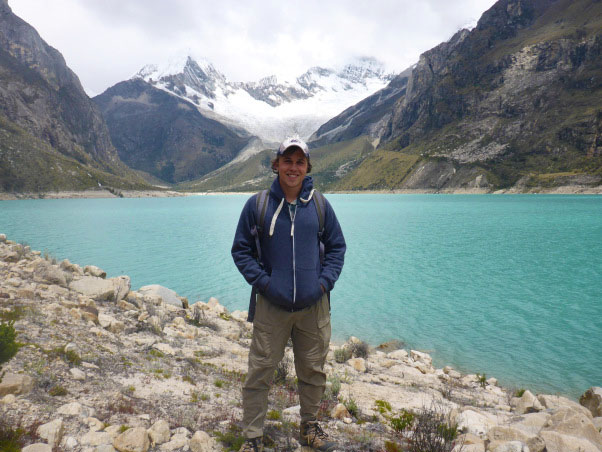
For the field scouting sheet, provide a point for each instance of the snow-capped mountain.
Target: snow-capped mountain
(269, 108)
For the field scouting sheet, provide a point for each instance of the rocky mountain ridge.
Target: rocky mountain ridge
(50, 130)
(102, 367)
(514, 102)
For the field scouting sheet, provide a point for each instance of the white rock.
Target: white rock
(15, 384)
(422, 357)
(554, 402)
(400, 354)
(202, 442)
(105, 448)
(122, 286)
(214, 305)
(358, 364)
(8, 399)
(77, 374)
(69, 442)
(167, 295)
(75, 409)
(471, 421)
(94, 287)
(96, 438)
(52, 432)
(512, 446)
(557, 442)
(570, 421)
(164, 348)
(95, 271)
(48, 273)
(528, 403)
(176, 442)
(339, 412)
(159, 432)
(71, 347)
(38, 447)
(293, 411)
(2, 238)
(94, 424)
(132, 440)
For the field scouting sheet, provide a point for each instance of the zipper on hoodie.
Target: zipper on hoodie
(293, 214)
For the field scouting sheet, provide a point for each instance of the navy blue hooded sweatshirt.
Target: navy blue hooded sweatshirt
(291, 274)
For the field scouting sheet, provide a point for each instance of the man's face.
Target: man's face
(292, 168)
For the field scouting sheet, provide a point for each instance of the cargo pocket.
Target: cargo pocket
(261, 344)
(324, 332)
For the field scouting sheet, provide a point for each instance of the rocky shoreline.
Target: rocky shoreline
(102, 367)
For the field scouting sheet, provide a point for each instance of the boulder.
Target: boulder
(45, 272)
(77, 374)
(528, 403)
(509, 433)
(214, 305)
(554, 402)
(177, 442)
(52, 432)
(38, 447)
(592, 400)
(132, 440)
(2, 238)
(339, 412)
(122, 285)
(202, 442)
(471, 421)
(75, 409)
(597, 422)
(511, 446)
(570, 421)
(558, 442)
(421, 357)
(92, 270)
(15, 384)
(167, 295)
(94, 287)
(358, 364)
(96, 438)
(159, 432)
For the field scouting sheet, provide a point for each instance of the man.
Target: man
(292, 292)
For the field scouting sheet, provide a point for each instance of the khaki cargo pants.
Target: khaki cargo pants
(309, 330)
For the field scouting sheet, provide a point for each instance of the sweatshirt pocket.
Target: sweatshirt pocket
(279, 288)
(308, 286)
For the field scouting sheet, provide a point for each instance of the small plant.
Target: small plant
(382, 406)
(232, 439)
(57, 391)
(187, 378)
(359, 349)
(8, 346)
(156, 353)
(482, 379)
(519, 392)
(335, 386)
(225, 316)
(403, 420)
(274, 415)
(351, 406)
(123, 428)
(432, 430)
(342, 354)
(219, 383)
(390, 446)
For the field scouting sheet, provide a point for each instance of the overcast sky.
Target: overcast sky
(107, 41)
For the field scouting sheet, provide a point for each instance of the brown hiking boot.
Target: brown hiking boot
(252, 445)
(313, 436)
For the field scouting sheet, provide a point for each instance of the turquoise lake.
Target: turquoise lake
(506, 285)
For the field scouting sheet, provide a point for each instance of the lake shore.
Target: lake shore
(96, 194)
(99, 359)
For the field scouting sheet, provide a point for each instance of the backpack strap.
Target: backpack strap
(320, 203)
(261, 204)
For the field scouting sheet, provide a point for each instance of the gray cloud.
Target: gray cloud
(106, 42)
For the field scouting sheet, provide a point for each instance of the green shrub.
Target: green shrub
(402, 421)
(482, 380)
(274, 415)
(431, 430)
(359, 349)
(57, 391)
(351, 406)
(382, 406)
(335, 386)
(219, 383)
(342, 354)
(232, 439)
(519, 392)
(390, 446)
(8, 346)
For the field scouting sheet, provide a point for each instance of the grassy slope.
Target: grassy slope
(255, 173)
(28, 164)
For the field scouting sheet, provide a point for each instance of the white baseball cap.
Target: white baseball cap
(293, 142)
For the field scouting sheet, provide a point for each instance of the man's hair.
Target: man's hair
(288, 152)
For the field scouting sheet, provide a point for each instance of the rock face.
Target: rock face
(163, 134)
(592, 400)
(497, 103)
(43, 105)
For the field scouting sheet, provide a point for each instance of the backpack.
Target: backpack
(261, 204)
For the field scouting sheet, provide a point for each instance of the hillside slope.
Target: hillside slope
(514, 103)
